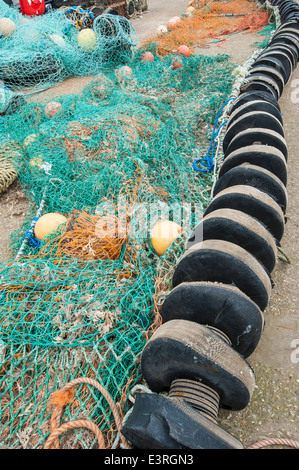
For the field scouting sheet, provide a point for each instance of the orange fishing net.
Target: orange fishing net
(89, 237)
(210, 21)
(93, 237)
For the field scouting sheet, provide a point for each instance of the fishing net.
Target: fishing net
(114, 159)
(211, 21)
(38, 52)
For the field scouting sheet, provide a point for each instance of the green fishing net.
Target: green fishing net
(37, 52)
(114, 159)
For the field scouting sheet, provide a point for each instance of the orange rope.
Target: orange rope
(72, 425)
(63, 397)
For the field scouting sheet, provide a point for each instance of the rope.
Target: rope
(7, 174)
(29, 237)
(275, 441)
(63, 397)
(284, 256)
(208, 162)
(73, 425)
(131, 397)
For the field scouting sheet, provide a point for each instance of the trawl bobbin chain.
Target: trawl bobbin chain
(212, 319)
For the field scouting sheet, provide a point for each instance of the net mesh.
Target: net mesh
(209, 22)
(114, 159)
(41, 51)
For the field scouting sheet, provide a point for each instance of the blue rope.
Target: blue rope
(208, 161)
(33, 242)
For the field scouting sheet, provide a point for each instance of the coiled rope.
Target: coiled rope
(63, 397)
(7, 174)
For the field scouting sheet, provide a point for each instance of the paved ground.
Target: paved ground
(273, 410)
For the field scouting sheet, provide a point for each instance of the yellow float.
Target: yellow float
(163, 234)
(47, 223)
(87, 39)
(7, 27)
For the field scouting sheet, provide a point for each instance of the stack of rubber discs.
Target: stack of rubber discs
(222, 283)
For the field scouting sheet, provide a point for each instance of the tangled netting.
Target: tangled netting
(44, 50)
(82, 302)
(208, 23)
(113, 159)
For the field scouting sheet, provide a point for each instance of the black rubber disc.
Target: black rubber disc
(260, 155)
(276, 64)
(295, 17)
(262, 79)
(258, 177)
(289, 40)
(288, 49)
(251, 120)
(289, 14)
(221, 306)
(255, 105)
(258, 85)
(258, 137)
(280, 48)
(286, 33)
(284, 56)
(255, 95)
(287, 30)
(270, 72)
(237, 227)
(188, 350)
(153, 424)
(292, 26)
(221, 261)
(253, 202)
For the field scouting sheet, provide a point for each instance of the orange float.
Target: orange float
(190, 9)
(47, 223)
(147, 57)
(52, 108)
(184, 50)
(173, 22)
